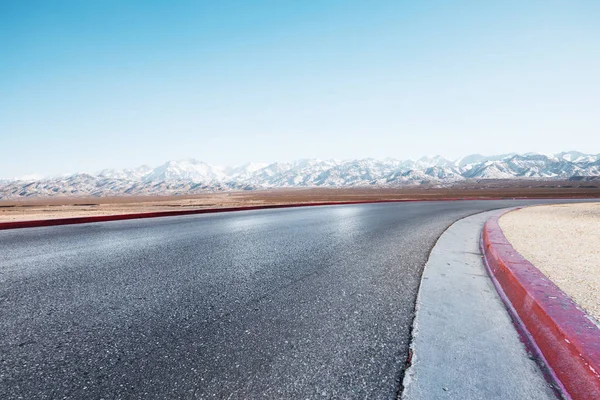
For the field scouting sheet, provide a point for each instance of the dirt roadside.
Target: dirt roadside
(67, 207)
(563, 242)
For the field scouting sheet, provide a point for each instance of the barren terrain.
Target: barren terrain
(65, 207)
(562, 241)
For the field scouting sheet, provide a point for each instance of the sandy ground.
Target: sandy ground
(95, 207)
(66, 207)
(51, 208)
(563, 241)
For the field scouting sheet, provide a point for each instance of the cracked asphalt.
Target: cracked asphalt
(312, 302)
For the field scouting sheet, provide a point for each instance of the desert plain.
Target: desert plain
(34, 208)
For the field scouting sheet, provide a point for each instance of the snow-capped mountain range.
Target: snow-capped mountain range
(191, 176)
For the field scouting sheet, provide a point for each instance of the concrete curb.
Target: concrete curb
(564, 337)
(117, 217)
(464, 345)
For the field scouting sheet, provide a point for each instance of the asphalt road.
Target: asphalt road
(312, 302)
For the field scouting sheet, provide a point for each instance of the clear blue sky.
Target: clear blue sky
(98, 83)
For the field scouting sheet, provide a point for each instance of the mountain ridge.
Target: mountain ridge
(193, 176)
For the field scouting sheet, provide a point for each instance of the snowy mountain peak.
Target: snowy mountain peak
(193, 176)
(185, 170)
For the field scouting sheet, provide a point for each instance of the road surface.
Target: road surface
(314, 302)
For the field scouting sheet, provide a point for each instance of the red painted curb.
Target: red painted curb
(117, 217)
(565, 337)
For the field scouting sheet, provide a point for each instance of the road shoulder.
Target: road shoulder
(464, 343)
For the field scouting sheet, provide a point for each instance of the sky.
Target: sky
(87, 85)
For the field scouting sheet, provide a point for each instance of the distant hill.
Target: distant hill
(192, 176)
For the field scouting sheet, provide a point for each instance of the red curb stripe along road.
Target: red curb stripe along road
(117, 217)
(563, 335)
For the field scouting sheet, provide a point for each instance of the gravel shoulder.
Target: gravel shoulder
(563, 242)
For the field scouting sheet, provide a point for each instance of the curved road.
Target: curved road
(289, 303)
